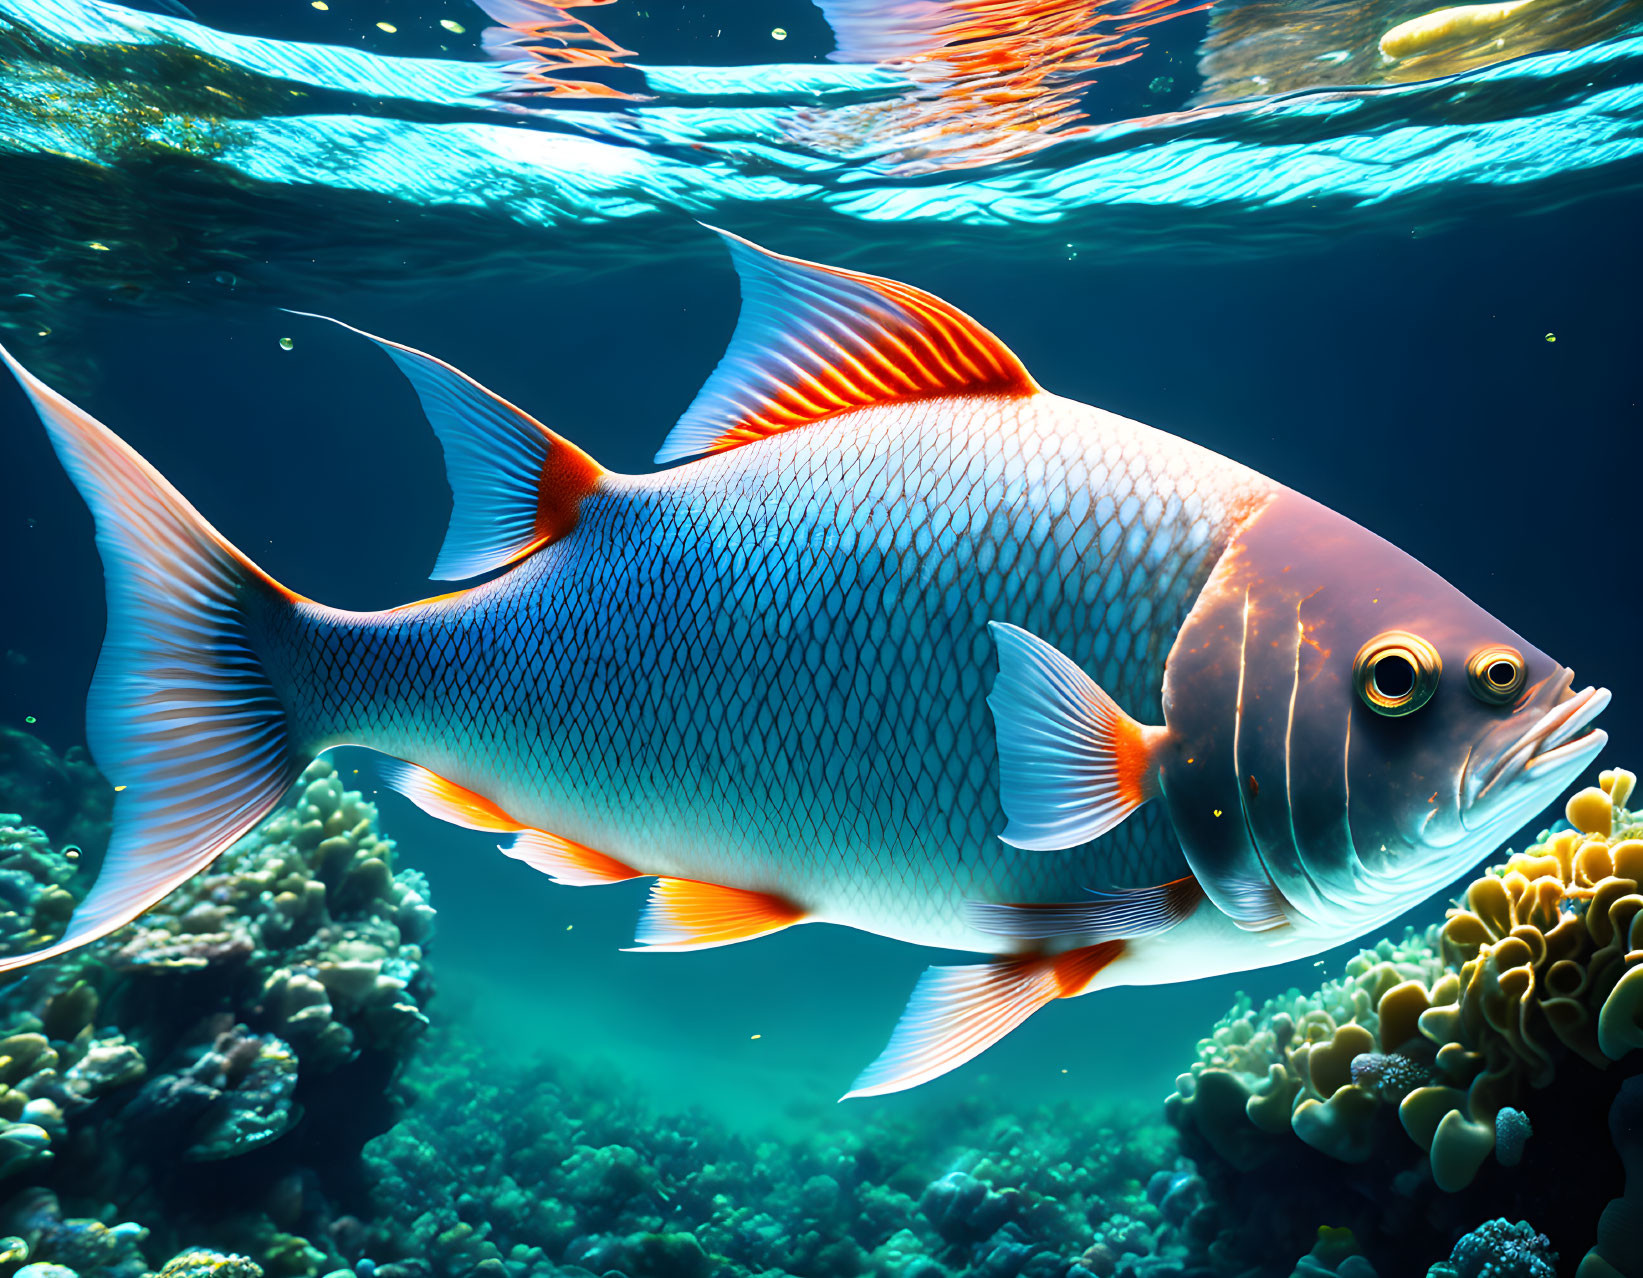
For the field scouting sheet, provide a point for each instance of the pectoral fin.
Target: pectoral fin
(956, 1013)
(1071, 763)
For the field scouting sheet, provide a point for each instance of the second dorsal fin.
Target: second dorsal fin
(814, 341)
(515, 484)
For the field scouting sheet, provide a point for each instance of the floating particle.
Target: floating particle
(389, 27)
(754, 1036)
(569, 926)
(454, 27)
(98, 245)
(780, 33)
(118, 788)
(1551, 337)
(321, 5)
(28, 718)
(1063, 1071)
(225, 278)
(286, 343)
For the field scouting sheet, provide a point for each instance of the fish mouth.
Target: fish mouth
(1553, 748)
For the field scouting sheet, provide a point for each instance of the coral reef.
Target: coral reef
(1542, 958)
(1499, 1249)
(64, 795)
(257, 1015)
(1450, 1039)
(553, 1171)
(1618, 1251)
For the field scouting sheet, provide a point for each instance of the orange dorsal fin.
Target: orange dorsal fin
(814, 341)
(956, 1013)
(559, 858)
(515, 484)
(683, 914)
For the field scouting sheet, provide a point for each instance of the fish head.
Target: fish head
(1365, 731)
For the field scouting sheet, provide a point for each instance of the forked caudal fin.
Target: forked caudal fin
(182, 716)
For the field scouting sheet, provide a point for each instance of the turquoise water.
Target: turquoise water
(1411, 300)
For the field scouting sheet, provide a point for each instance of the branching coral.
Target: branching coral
(1542, 958)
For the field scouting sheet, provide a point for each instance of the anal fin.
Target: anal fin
(956, 1013)
(567, 862)
(559, 858)
(683, 914)
(1105, 916)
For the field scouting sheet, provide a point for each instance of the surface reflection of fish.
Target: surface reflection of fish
(768, 678)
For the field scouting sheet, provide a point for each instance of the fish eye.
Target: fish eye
(1496, 673)
(1396, 673)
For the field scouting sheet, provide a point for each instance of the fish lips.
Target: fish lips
(1517, 769)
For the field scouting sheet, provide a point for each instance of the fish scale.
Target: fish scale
(768, 669)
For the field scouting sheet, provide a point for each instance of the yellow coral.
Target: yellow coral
(1543, 955)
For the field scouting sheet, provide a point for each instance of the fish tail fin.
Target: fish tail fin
(956, 1013)
(182, 717)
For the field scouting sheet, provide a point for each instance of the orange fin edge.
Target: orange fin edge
(956, 1013)
(516, 486)
(1072, 764)
(814, 341)
(445, 799)
(566, 861)
(685, 914)
(561, 859)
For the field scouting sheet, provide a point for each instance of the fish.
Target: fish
(896, 640)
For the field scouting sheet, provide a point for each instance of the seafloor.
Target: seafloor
(254, 1079)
